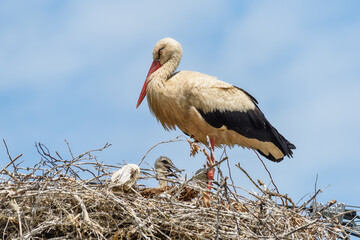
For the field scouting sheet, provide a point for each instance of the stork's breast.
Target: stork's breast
(165, 102)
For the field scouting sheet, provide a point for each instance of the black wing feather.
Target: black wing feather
(250, 124)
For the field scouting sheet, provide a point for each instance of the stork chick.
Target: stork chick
(164, 168)
(201, 175)
(124, 178)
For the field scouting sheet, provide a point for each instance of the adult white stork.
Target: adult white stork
(201, 105)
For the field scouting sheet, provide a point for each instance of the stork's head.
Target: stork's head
(202, 175)
(166, 55)
(166, 49)
(164, 166)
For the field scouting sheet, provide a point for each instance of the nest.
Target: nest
(52, 200)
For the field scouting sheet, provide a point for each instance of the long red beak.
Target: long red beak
(154, 66)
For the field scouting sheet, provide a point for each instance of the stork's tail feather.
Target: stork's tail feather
(282, 143)
(287, 150)
(287, 153)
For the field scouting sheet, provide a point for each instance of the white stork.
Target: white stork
(201, 105)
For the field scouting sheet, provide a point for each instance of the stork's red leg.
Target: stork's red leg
(211, 171)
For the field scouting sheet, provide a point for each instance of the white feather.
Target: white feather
(125, 177)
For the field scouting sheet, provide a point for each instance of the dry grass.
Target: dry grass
(51, 201)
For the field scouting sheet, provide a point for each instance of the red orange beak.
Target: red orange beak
(154, 66)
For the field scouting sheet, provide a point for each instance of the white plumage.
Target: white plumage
(201, 106)
(125, 177)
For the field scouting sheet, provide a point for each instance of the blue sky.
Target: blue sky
(74, 69)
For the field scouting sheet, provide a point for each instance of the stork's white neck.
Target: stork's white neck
(160, 95)
(162, 178)
(163, 183)
(164, 72)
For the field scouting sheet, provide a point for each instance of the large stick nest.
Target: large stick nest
(52, 200)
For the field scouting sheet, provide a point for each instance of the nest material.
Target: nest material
(51, 201)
